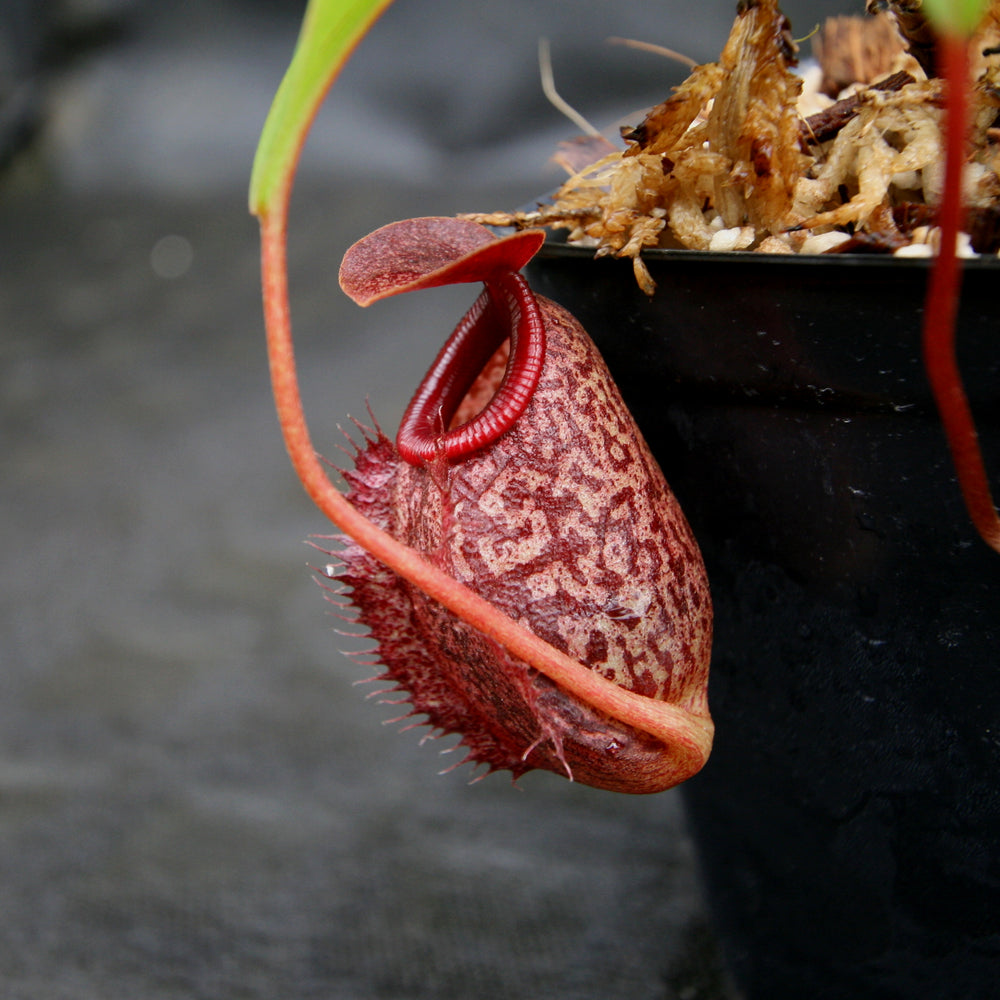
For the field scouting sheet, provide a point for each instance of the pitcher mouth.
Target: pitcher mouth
(505, 310)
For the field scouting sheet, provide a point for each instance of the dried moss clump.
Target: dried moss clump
(747, 154)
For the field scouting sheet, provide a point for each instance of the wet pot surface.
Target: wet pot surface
(849, 818)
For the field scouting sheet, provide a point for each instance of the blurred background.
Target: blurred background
(194, 799)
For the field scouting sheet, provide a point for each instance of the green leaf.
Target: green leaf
(955, 17)
(330, 31)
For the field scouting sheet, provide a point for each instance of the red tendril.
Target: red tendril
(941, 309)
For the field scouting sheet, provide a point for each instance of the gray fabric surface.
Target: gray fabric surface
(194, 799)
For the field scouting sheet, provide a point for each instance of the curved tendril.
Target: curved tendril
(941, 309)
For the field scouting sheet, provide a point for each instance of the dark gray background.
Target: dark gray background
(194, 799)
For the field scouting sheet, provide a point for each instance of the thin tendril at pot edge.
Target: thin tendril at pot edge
(941, 308)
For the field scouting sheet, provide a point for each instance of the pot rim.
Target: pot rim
(556, 248)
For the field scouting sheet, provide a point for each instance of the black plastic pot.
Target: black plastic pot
(849, 819)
